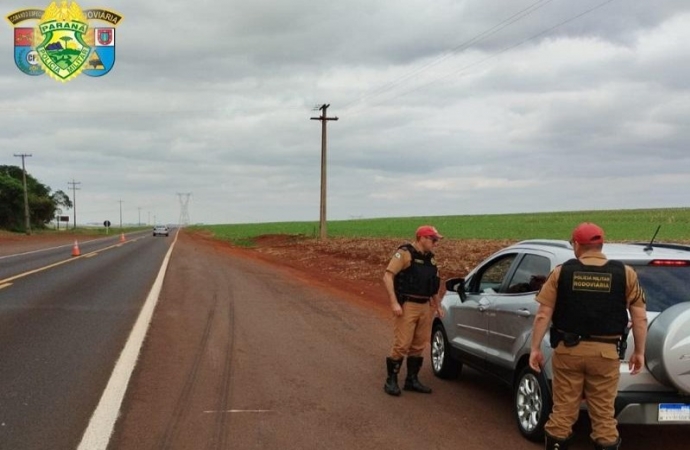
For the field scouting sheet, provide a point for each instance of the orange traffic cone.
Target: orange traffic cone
(122, 237)
(75, 249)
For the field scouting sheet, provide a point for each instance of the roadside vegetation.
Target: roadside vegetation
(620, 225)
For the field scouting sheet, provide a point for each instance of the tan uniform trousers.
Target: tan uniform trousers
(411, 330)
(592, 370)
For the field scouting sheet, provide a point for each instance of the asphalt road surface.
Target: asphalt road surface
(63, 323)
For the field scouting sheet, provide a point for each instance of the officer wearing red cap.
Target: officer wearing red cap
(586, 300)
(413, 283)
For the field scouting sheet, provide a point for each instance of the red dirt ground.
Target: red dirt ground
(356, 266)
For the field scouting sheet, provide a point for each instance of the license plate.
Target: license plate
(674, 412)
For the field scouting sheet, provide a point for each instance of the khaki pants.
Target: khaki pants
(591, 369)
(411, 330)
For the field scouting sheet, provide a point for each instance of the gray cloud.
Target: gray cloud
(215, 98)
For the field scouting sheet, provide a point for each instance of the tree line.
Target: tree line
(42, 204)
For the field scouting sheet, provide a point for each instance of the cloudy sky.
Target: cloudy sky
(445, 107)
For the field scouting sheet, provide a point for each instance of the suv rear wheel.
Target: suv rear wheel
(532, 404)
(442, 363)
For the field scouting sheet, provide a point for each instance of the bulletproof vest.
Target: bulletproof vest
(421, 278)
(591, 299)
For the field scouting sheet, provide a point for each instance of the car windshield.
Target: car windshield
(664, 286)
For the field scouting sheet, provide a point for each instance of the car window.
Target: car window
(491, 276)
(664, 286)
(530, 274)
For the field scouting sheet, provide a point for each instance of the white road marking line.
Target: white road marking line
(2, 286)
(100, 428)
(239, 411)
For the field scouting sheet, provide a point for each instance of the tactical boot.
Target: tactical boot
(615, 446)
(391, 387)
(553, 443)
(414, 363)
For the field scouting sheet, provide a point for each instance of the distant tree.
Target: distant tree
(61, 199)
(42, 205)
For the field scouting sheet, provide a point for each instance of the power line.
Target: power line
(447, 54)
(498, 53)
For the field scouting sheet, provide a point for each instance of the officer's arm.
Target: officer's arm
(637, 306)
(396, 264)
(541, 324)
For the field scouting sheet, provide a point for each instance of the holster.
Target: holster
(569, 339)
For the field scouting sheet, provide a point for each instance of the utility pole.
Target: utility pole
(120, 201)
(73, 184)
(139, 221)
(322, 212)
(27, 218)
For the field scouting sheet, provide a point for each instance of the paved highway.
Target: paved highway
(63, 322)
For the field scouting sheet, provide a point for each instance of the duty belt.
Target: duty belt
(611, 340)
(408, 298)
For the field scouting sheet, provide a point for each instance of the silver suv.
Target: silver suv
(488, 322)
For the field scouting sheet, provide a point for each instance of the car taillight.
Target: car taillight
(669, 262)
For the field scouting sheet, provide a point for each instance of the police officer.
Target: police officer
(412, 282)
(587, 299)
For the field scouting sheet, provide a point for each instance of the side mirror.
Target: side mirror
(457, 285)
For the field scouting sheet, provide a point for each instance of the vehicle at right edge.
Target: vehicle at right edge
(488, 324)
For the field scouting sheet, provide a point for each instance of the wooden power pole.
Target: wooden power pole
(27, 217)
(322, 213)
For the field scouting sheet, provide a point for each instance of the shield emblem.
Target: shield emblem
(102, 57)
(25, 55)
(63, 52)
(105, 36)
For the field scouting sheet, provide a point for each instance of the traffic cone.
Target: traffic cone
(122, 237)
(75, 249)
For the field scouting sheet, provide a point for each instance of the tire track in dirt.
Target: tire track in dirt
(173, 427)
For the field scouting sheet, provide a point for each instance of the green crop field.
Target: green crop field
(619, 225)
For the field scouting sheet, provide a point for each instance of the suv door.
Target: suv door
(470, 317)
(511, 314)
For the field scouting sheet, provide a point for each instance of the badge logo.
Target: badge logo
(65, 42)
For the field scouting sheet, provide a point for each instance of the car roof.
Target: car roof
(631, 251)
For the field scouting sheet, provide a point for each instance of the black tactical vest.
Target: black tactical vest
(421, 278)
(591, 299)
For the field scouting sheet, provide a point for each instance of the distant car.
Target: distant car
(161, 230)
(488, 324)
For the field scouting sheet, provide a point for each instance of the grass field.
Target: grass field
(619, 225)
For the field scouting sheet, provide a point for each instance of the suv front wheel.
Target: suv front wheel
(532, 403)
(442, 363)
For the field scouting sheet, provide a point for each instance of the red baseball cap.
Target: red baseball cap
(588, 233)
(428, 231)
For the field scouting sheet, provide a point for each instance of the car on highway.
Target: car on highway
(488, 322)
(161, 230)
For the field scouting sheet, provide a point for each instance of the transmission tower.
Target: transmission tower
(184, 208)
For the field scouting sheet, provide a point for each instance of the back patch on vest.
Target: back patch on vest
(592, 281)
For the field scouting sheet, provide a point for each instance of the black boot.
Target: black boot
(414, 363)
(391, 387)
(615, 446)
(553, 443)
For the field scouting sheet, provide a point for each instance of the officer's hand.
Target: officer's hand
(636, 363)
(536, 360)
(397, 309)
(440, 312)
